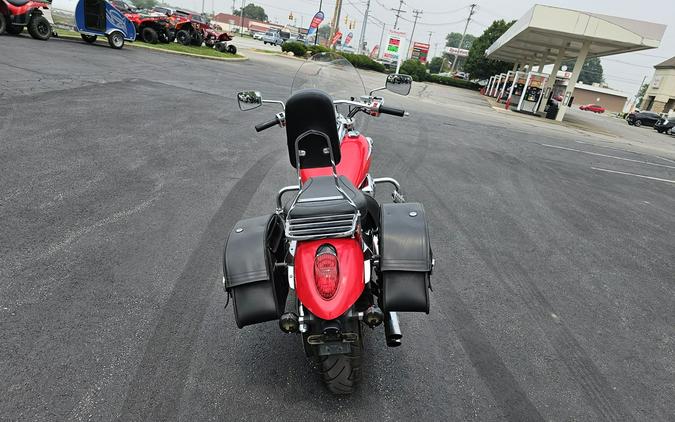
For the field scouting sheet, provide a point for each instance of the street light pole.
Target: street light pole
(363, 29)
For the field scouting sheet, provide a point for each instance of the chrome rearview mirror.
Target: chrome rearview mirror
(399, 84)
(248, 100)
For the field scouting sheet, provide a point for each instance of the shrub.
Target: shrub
(459, 83)
(316, 49)
(414, 68)
(363, 62)
(297, 48)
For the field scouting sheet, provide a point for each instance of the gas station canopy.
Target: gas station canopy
(543, 31)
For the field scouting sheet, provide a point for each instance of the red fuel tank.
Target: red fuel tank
(354, 165)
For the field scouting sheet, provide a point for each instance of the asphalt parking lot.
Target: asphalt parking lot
(123, 172)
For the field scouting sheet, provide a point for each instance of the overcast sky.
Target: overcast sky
(623, 72)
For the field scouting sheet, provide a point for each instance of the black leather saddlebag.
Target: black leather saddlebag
(258, 288)
(405, 258)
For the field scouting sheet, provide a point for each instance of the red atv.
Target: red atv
(194, 29)
(15, 14)
(150, 28)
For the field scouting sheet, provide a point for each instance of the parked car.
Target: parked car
(665, 126)
(276, 37)
(272, 37)
(258, 35)
(647, 118)
(595, 108)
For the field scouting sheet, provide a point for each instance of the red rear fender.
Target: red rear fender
(351, 277)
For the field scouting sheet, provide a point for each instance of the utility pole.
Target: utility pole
(417, 14)
(430, 34)
(234, 6)
(398, 13)
(471, 12)
(336, 20)
(241, 22)
(379, 46)
(363, 29)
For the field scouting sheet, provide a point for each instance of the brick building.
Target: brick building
(660, 96)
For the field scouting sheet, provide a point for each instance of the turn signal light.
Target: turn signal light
(326, 271)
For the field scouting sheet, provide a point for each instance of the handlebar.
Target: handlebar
(263, 126)
(373, 108)
(392, 110)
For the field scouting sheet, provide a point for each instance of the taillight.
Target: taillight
(326, 271)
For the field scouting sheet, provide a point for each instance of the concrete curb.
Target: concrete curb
(161, 50)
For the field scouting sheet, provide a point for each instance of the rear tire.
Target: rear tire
(638, 123)
(183, 37)
(88, 38)
(342, 373)
(14, 29)
(116, 40)
(3, 23)
(197, 39)
(39, 28)
(231, 49)
(149, 35)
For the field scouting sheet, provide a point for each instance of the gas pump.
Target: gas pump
(532, 92)
(489, 85)
(506, 85)
(516, 89)
(497, 85)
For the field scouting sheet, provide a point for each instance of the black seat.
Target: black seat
(18, 2)
(319, 196)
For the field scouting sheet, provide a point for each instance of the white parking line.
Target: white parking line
(609, 156)
(633, 174)
(665, 159)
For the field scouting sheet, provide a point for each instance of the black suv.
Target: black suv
(665, 125)
(647, 118)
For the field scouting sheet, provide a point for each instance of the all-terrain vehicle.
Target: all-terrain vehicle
(94, 18)
(35, 15)
(195, 29)
(151, 28)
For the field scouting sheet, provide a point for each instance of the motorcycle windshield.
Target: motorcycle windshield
(334, 75)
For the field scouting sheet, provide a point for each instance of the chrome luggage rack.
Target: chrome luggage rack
(319, 226)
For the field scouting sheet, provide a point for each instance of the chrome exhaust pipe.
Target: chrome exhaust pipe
(392, 331)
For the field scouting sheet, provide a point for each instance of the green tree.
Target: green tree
(415, 69)
(477, 64)
(324, 31)
(252, 11)
(453, 39)
(145, 4)
(436, 63)
(591, 72)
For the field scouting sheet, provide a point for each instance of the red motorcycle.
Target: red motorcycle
(350, 260)
(17, 14)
